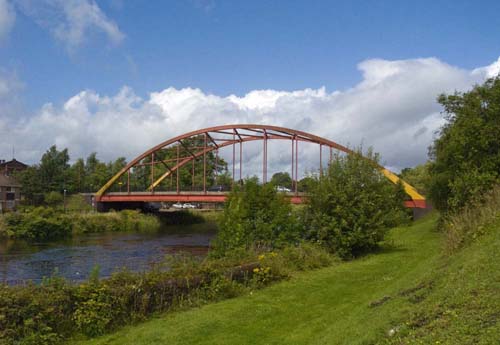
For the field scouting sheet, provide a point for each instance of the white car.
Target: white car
(187, 205)
(178, 205)
(283, 189)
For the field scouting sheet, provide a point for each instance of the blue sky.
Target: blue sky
(117, 76)
(232, 47)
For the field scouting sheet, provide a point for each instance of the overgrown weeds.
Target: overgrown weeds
(472, 221)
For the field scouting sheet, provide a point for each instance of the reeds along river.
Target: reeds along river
(75, 258)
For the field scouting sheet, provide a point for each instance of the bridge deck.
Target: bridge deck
(217, 197)
(208, 197)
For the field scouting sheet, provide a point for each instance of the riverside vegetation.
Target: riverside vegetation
(261, 240)
(408, 285)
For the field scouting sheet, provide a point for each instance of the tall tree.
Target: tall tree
(53, 169)
(466, 155)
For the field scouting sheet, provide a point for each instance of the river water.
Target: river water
(75, 258)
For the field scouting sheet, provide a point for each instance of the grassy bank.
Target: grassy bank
(45, 223)
(357, 302)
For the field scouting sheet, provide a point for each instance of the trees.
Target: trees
(54, 174)
(282, 179)
(466, 156)
(353, 205)
(53, 169)
(418, 177)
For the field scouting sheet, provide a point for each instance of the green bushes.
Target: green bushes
(349, 210)
(56, 310)
(353, 205)
(43, 223)
(39, 224)
(256, 215)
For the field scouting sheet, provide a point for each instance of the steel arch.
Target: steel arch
(239, 134)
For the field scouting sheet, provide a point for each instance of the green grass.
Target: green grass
(356, 302)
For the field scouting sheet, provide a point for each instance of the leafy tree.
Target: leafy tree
(167, 159)
(32, 186)
(353, 205)
(282, 179)
(256, 215)
(224, 179)
(53, 169)
(418, 177)
(78, 176)
(466, 156)
(306, 184)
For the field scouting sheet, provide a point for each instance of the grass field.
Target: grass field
(407, 293)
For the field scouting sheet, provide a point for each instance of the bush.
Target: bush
(353, 205)
(256, 215)
(53, 199)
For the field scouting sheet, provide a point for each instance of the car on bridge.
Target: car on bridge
(188, 205)
(282, 189)
(178, 205)
(219, 188)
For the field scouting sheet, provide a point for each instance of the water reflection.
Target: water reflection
(75, 258)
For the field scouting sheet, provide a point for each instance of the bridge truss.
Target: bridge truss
(198, 150)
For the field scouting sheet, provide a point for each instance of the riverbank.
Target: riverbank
(408, 292)
(45, 223)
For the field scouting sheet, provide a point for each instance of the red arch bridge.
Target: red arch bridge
(185, 168)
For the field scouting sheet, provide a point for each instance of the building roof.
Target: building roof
(12, 163)
(8, 181)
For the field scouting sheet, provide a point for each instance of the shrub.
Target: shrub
(353, 205)
(256, 215)
(53, 199)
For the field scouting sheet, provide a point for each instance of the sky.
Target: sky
(117, 76)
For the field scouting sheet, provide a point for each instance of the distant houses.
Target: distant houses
(10, 189)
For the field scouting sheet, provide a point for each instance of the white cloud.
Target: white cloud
(7, 18)
(393, 109)
(71, 21)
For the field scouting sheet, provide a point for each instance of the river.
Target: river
(75, 258)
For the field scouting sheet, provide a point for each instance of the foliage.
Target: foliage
(53, 198)
(353, 205)
(54, 175)
(306, 184)
(472, 221)
(56, 310)
(38, 224)
(256, 215)
(52, 171)
(215, 168)
(326, 306)
(45, 223)
(466, 156)
(418, 177)
(282, 179)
